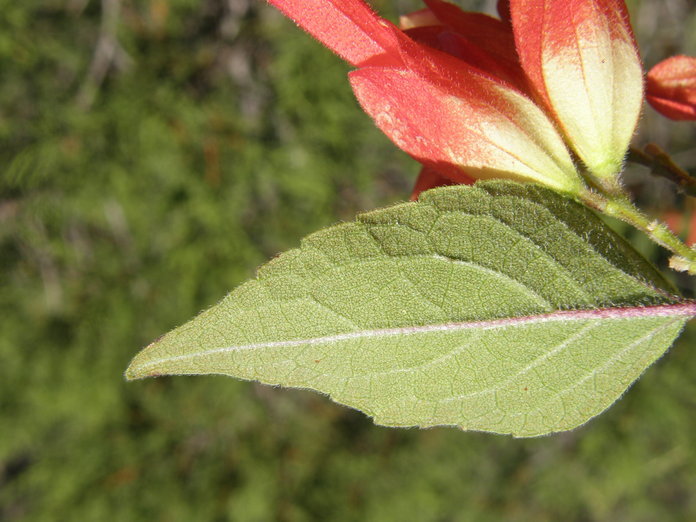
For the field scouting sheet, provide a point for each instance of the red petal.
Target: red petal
(464, 120)
(581, 58)
(453, 75)
(420, 18)
(504, 11)
(446, 40)
(429, 178)
(348, 27)
(671, 87)
(491, 36)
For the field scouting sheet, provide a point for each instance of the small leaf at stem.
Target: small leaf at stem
(499, 307)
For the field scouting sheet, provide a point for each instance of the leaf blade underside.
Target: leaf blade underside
(498, 307)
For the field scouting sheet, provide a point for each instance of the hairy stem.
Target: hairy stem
(684, 259)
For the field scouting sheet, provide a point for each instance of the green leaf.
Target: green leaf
(500, 307)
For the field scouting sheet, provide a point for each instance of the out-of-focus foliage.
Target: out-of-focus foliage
(152, 153)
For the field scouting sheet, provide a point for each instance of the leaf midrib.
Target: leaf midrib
(685, 310)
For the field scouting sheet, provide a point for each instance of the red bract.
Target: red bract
(472, 96)
(582, 61)
(671, 88)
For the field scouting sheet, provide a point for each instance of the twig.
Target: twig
(106, 53)
(684, 259)
(661, 164)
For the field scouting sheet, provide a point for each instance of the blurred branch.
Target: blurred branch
(661, 164)
(107, 53)
(235, 11)
(77, 6)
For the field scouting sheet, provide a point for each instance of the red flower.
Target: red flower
(472, 96)
(671, 88)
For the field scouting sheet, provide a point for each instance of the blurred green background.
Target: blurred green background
(152, 154)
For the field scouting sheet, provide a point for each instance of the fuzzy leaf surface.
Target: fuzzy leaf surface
(497, 307)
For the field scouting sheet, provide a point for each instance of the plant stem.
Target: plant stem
(661, 164)
(623, 209)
